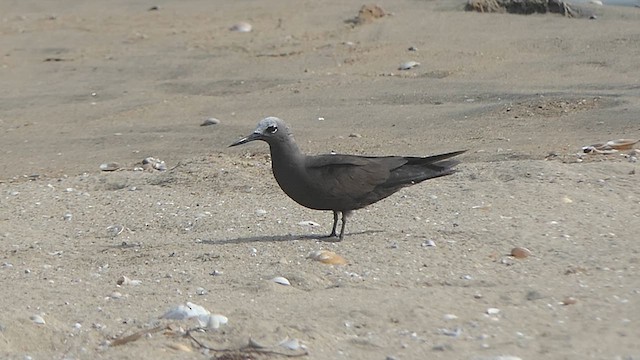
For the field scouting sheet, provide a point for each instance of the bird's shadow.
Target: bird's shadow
(278, 238)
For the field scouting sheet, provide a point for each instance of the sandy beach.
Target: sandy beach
(429, 271)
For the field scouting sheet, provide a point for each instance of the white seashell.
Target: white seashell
(212, 321)
(450, 317)
(210, 121)
(110, 166)
(327, 257)
(185, 311)
(243, 27)
(281, 280)
(308, 223)
(201, 291)
(429, 243)
(115, 295)
(37, 319)
(290, 344)
(123, 280)
(115, 230)
(493, 311)
(408, 65)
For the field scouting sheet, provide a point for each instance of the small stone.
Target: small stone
(520, 252)
(109, 166)
(569, 301)
(450, 317)
(260, 212)
(201, 291)
(355, 135)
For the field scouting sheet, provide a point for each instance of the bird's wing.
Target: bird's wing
(349, 176)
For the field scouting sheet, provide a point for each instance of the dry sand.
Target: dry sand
(96, 81)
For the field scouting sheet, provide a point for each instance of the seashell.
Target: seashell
(212, 321)
(123, 280)
(115, 295)
(210, 121)
(429, 243)
(109, 166)
(290, 344)
(520, 252)
(281, 280)
(154, 163)
(493, 311)
(37, 319)
(327, 257)
(408, 65)
(242, 27)
(308, 223)
(115, 230)
(201, 291)
(450, 317)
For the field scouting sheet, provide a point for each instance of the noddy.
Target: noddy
(337, 182)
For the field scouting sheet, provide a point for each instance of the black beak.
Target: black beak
(254, 136)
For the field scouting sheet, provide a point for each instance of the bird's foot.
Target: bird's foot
(333, 237)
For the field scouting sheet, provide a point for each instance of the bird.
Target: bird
(339, 182)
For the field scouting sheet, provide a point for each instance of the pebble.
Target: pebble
(115, 295)
(355, 135)
(210, 121)
(67, 216)
(408, 65)
(201, 291)
(520, 252)
(242, 27)
(569, 301)
(281, 280)
(260, 212)
(109, 166)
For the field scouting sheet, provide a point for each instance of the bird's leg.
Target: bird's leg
(345, 215)
(335, 224)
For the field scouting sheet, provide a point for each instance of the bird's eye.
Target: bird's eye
(272, 129)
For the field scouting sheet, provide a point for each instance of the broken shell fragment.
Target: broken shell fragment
(570, 300)
(290, 344)
(37, 319)
(243, 27)
(210, 121)
(327, 257)
(408, 65)
(123, 280)
(281, 280)
(520, 252)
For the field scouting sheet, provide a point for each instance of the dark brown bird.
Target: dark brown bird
(341, 183)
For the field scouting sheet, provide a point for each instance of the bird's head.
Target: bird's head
(270, 129)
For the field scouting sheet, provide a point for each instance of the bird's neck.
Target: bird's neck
(285, 154)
